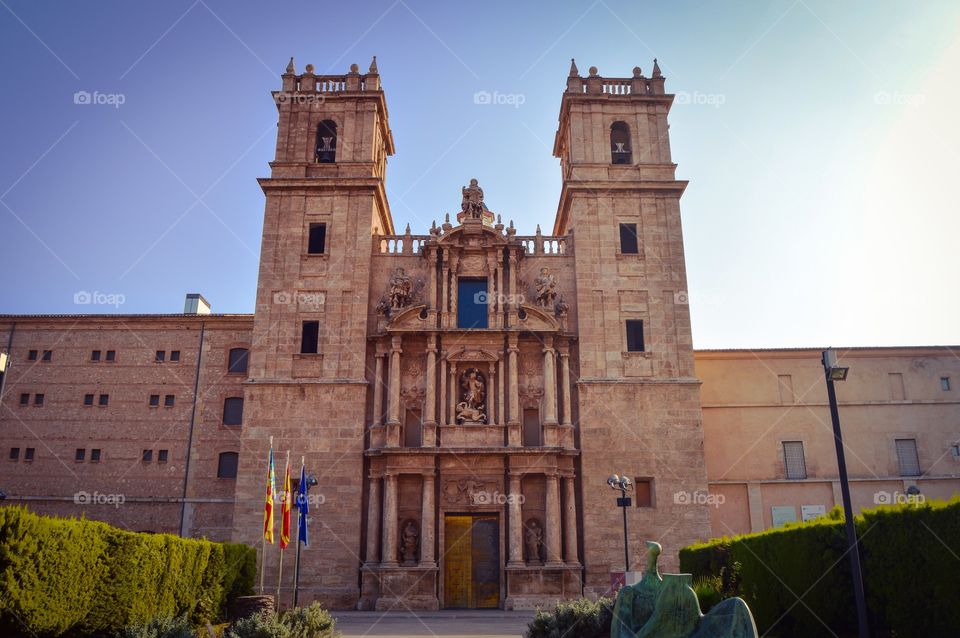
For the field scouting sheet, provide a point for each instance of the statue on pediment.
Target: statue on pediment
(546, 285)
(472, 205)
(401, 289)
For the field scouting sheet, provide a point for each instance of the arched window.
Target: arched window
(227, 465)
(237, 361)
(233, 411)
(327, 142)
(620, 144)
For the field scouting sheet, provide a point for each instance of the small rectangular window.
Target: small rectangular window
(168, 400)
(174, 355)
(88, 399)
(907, 457)
(318, 239)
(227, 465)
(32, 355)
(162, 456)
(95, 455)
(233, 411)
(634, 335)
(794, 463)
(95, 355)
(945, 384)
(154, 400)
(628, 239)
(237, 360)
(111, 355)
(310, 337)
(14, 453)
(28, 454)
(48, 355)
(104, 399)
(643, 488)
(25, 399)
(38, 399)
(80, 454)
(147, 456)
(161, 356)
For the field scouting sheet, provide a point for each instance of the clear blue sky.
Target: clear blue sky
(820, 140)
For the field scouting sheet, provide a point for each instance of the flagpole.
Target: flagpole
(263, 533)
(279, 579)
(285, 507)
(296, 564)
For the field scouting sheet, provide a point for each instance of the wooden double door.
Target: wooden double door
(471, 561)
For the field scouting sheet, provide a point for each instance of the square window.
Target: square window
(162, 456)
(147, 456)
(955, 451)
(95, 455)
(168, 400)
(794, 463)
(88, 399)
(174, 355)
(95, 355)
(237, 360)
(907, 458)
(28, 454)
(32, 355)
(628, 239)
(644, 492)
(160, 356)
(318, 239)
(38, 399)
(80, 454)
(111, 355)
(48, 355)
(310, 337)
(14, 453)
(233, 411)
(634, 335)
(945, 384)
(154, 400)
(104, 399)
(25, 399)
(227, 465)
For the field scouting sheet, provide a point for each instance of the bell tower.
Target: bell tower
(638, 398)
(325, 200)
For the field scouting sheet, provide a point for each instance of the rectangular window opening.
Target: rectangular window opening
(168, 400)
(154, 400)
(174, 355)
(88, 399)
(794, 463)
(104, 399)
(111, 355)
(643, 488)
(310, 337)
(907, 458)
(95, 355)
(318, 239)
(945, 384)
(29, 453)
(162, 456)
(635, 335)
(629, 245)
(472, 303)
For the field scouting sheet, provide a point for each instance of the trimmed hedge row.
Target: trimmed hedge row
(909, 555)
(62, 575)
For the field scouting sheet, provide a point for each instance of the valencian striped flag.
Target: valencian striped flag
(285, 507)
(302, 506)
(271, 496)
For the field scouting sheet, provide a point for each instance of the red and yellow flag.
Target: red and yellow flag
(268, 505)
(285, 506)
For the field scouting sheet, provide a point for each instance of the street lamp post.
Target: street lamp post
(622, 483)
(834, 372)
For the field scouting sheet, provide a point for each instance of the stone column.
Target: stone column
(430, 409)
(515, 531)
(393, 411)
(491, 384)
(549, 383)
(427, 524)
(454, 390)
(373, 520)
(500, 416)
(442, 417)
(378, 390)
(570, 521)
(444, 293)
(514, 438)
(552, 538)
(389, 546)
(567, 418)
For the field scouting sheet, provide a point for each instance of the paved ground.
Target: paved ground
(438, 624)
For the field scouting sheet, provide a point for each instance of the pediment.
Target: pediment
(412, 318)
(537, 319)
(472, 236)
(472, 354)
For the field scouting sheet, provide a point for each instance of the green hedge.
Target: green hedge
(909, 555)
(80, 577)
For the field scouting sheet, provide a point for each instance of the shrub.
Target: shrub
(580, 618)
(908, 556)
(163, 627)
(709, 590)
(310, 622)
(259, 626)
(78, 576)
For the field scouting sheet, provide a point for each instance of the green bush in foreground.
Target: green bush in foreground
(62, 575)
(908, 555)
(303, 622)
(580, 618)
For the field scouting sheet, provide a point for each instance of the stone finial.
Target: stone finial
(447, 218)
(593, 72)
(373, 65)
(656, 69)
(637, 72)
(574, 71)
(290, 67)
(538, 229)
(354, 68)
(407, 231)
(309, 68)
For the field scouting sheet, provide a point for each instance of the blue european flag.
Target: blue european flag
(303, 507)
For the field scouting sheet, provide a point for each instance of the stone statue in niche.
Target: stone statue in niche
(472, 205)
(408, 543)
(401, 289)
(471, 408)
(546, 285)
(534, 541)
(560, 307)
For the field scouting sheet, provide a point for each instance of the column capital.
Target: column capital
(512, 339)
(395, 342)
